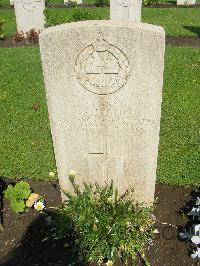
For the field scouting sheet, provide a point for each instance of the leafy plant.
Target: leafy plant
(52, 21)
(193, 233)
(99, 2)
(2, 35)
(21, 198)
(152, 2)
(17, 196)
(104, 226)
(81, 14)
(31, 36)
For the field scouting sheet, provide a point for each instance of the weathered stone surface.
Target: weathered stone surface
(186, 2)
(125, 10)
(29, 15)
(103, 84)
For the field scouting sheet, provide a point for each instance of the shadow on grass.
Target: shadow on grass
(2, 187)
(193, 29)
(173, 2)
(37, 248)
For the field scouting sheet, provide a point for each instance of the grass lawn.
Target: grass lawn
(177, 22)
(26, 148)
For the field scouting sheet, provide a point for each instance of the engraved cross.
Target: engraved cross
(103, 153)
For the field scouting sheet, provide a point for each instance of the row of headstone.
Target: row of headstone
(29, 13)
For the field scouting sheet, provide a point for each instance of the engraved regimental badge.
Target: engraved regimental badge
(125, 3)
(102, 68)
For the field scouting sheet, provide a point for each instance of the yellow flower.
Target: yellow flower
(39, 206)
(109, 263)
(72, 173)
(32, 199)
(52, 174)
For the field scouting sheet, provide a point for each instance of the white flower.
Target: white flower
(109, 263)
(196, 238)
(196, 254)
(72, 173)
(155, 231)
(197, 201)
(52, 174)
(109, 199)
(39, 206)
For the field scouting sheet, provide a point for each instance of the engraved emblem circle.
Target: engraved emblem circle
(102, 68)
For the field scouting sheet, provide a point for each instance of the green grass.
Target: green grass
(179, 153)
(26, 148)
(182, 22)
(9, 27)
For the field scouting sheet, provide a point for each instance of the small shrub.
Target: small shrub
(21, 198)
(2, 35)
(18, 37)
(81, 14)
(152, 2)
(104, 227)
(17, 196)
(52, 21)
(99, 2)
(31, 36)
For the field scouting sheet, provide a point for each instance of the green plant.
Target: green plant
(152, 2)
(21, 198)
(103, 225)
(52, 21)
(2, 35)
(80, 14)
(17, 196)
(99, 2)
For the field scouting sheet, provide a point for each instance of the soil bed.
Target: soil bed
(24, 242)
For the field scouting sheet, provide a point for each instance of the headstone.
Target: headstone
(103, 83)
(78, 2)
(186, 2)
(29, 15)
(126, 10)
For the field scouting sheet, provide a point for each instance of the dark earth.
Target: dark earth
(24, 240)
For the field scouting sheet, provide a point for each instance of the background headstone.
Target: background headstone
(186, 2)
(126, 10)
(29, 15)
(78, 2)
(103, 84)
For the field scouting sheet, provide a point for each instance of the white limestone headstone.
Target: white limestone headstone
(186, 2)
(103, 83)
(29, 15)
(126, 10)
(78, 2)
